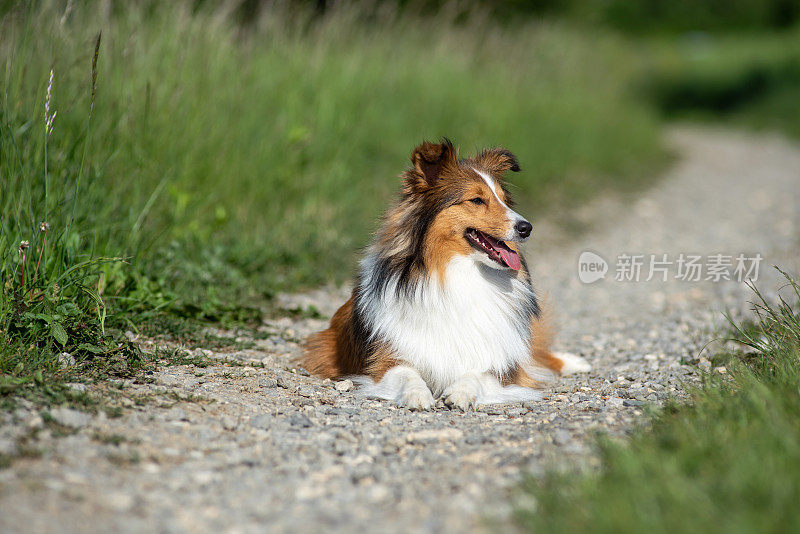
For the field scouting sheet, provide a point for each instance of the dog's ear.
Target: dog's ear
(429, 159)
(497, 161)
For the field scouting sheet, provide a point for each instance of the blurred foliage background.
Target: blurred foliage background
(207, 154)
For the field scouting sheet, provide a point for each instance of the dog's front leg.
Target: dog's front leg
(403, 385)
(465, 391)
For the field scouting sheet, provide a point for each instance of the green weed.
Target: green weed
(729, 461)
(52, 313)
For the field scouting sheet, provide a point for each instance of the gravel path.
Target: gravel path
(260, 445)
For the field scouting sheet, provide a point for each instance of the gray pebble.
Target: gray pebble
(344, 385)
(284, 383)
(229, 423)
(632, 402)
(261, 421)
(168, 380)
(70, 418)
(177, 414)
(306, 391)
(300, 421)
(268, 382)
(492, 409)
(8, 447)
(561, 437)
(65, 359)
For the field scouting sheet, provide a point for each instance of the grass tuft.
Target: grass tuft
(52, 311)
(729, 461)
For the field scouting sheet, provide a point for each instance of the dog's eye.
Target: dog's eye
(477, 201)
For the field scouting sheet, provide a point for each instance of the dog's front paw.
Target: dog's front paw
(416, 398)
(458, 397)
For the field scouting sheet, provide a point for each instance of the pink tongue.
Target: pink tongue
(510, 257)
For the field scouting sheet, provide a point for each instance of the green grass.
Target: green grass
(745, 80)
(200, 165)
(273, 152)
(729, 461)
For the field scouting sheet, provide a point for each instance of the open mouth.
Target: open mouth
(494, 248)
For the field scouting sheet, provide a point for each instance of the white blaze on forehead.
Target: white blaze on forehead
(513, 215)
(490, 182)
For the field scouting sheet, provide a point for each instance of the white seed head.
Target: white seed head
(67, 11)
(23, 245)
(48, 118)
(49, 93)
(44, 226)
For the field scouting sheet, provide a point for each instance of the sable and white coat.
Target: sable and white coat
(443, 304)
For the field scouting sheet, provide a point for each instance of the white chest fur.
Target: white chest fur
(476, 321)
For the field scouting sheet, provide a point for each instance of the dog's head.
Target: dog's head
(462, 205)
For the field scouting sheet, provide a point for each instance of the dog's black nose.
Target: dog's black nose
(523, 228)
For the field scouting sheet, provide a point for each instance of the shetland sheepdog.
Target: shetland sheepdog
(443, 305)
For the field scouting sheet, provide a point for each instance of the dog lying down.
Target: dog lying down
(443, 305)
